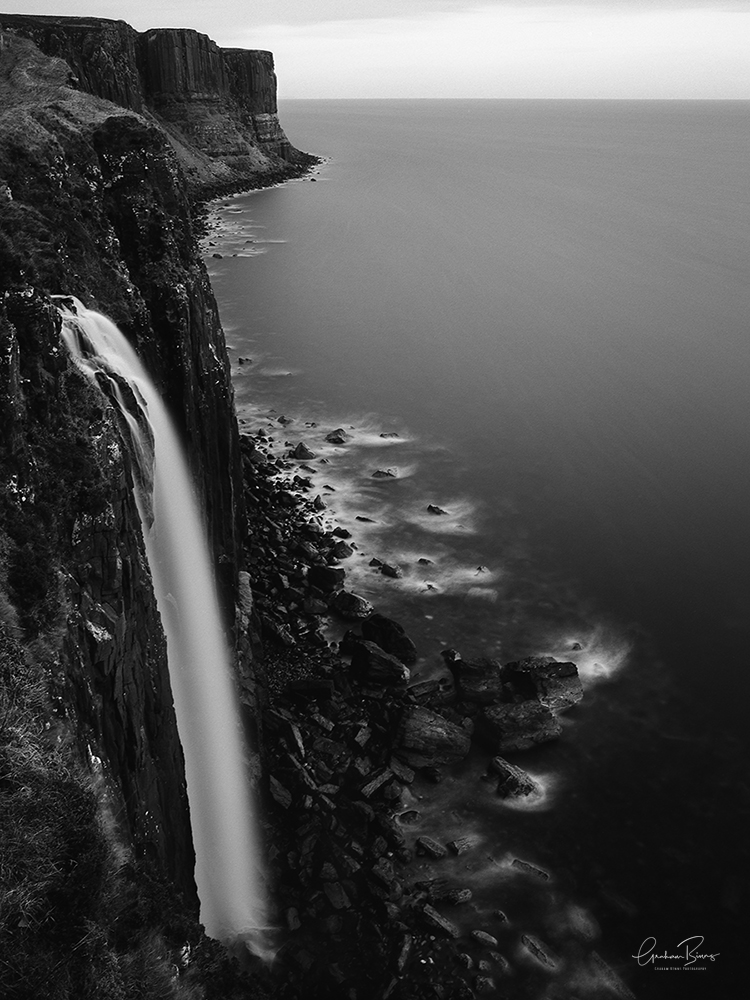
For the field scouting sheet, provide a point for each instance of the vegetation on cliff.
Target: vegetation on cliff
(96, 887)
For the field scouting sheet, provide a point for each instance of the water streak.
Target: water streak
(227, 874)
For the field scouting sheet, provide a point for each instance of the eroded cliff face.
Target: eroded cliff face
(94, 203)
(218, 106)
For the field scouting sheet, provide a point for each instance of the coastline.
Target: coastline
(337, 749)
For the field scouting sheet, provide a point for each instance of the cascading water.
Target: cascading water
(228, 876)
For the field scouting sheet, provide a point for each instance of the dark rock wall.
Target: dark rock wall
(94, 203)
(102, 54)
(218, 106)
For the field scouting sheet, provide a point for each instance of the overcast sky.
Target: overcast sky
(460, 48)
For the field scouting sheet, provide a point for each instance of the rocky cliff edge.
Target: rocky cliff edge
(218, 106)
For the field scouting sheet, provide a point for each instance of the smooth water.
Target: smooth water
(548, 302)
(228, 869)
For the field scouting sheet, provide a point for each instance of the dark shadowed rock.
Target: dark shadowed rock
(439, 922)
(434, 509)
(505, 728)
(431, 847)
(326, 578)
(394, 572)
(339, 436)
(390, 636)
(350, 606)
(372, 665)
(556, 685)
(426, 738)
(479, 681)
(302, 452)
(513, 782)
(384, 474)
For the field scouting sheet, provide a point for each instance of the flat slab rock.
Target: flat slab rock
(554, 684)
(506, 728)
(372, 665)
(426, 738)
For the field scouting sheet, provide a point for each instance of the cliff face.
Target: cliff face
(218, 106)
(94, 203)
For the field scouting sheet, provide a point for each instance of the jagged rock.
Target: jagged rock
(384, 474)
(391, 637)
(506, 728)
(280, 794)
(341, 533)
(482, 937)
(339, 436)
(336, 895)
(434, 509)
(342, 551)
(430, 847)
(456, 896)
(372, 786)
(394, 572)
(427, 738)
(478, 681)
(372, 665)
(439, 690)
(539, 951)
(350, 605)
(513, 781)
(326, 578)
(556, 685)
(461, 845)
(302, 452)
(389, 434)
(529, 869)
(402, 772)
(438, 921)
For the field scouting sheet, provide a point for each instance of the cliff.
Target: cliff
(95, 202)
(218, 106)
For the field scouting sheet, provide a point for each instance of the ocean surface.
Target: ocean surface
(548, 303)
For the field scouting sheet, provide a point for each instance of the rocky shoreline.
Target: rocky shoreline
(349, 735)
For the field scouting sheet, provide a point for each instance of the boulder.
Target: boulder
(342, 551)
(394, 572)
(339, 436)
(302, 452)
(371, 665)
(432, 848)
(390, 636)
(326, 578)
(434, 509)
(513, 782)
(556, 685)
(426, 738)
(350, 606)
(507, 728)
(384, 474)
(479, 681)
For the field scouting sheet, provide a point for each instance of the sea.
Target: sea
(532, 320)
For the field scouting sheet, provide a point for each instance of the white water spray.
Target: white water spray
(230, 888)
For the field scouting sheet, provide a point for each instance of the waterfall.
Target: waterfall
(228, 876)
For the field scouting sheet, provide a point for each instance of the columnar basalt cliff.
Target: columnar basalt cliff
(218, 106)
(94, 203)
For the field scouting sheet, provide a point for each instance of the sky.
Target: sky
(458, 48)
